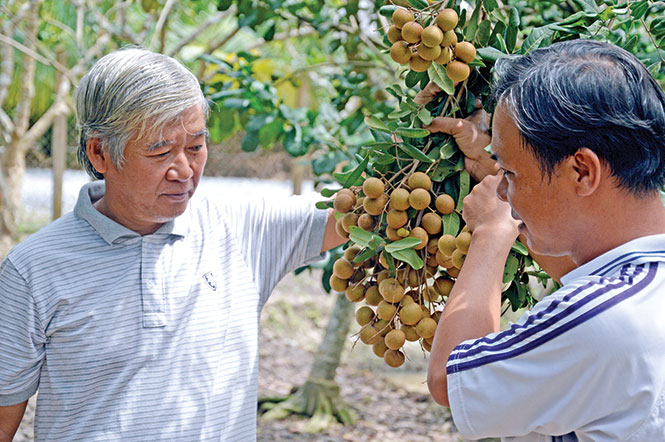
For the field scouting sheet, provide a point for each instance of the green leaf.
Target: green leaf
(587, 5)
(381, 145)
(448, 150)
(414, 152)
(406, 243)
(472, 26)
(365, 255)
(439, 77)
(425, 116)
(419, 4)
(411, 132)
(412, 78)
(464, 188)
(410, 257)
(363, 237)
(502, 44)
(352, 177)
(447, 168)
(223, 5)
(323, 204)
(250, 142)
(537, 38)
(387, 10)
(484, 32)
(638, 9)
(328, 192)
(375, 123)
(491, 54)
(509, 270)
(520, 248)
(513, 26)
(490, 5)
(396, 114)
(451, 223)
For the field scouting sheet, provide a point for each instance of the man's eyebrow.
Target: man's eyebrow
(158, 144)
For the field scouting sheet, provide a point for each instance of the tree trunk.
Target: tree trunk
(319, 396)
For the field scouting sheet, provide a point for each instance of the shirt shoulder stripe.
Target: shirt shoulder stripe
(481, 353)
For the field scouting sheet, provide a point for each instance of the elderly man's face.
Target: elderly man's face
(159, 175)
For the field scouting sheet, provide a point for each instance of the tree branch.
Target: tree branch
(22, 119)
(7, 63)
(161, 22)
(205, 25)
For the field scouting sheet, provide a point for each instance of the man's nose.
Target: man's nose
(502, 188)
(181, 169)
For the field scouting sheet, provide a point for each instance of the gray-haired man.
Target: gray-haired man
(137, 315)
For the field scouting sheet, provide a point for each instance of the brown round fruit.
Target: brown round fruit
(443, 260)
(432, 36)
(364, 315)
(420, 180)
(379, 348)
(410, 333)
(432, 223)
(418, 63)
(375, 206)
(445, 56)
(427, 53)
(369, 335)
(351, 252)
(339, 228)
(463, 241)
(465, 51)
(447, 244)
(391, 290)
(445, 204)
(446, 20)
(395, 339)
(397, 218)
(449, 39)
(412, 31)
(343, 269)
(373, 187)
(410, 313)
(453, 271)
(444, 285)
(431, 294)
(338, 284)
(402, 16)
(343, 203)
(348, 220)
(385, 310)
(395, 34)
(426, 327)
(372, 295)
(366, 221)
(355, 293)
(400, 199)
(458, 71)
(419, 199)
(383, 327)
(400, 52)
(394, 358)
(392, 234)
(458, 258)
(420, 234)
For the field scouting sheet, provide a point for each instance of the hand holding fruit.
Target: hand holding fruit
(471, 139)
(484, 211)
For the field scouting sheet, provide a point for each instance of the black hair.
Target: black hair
(587, 93)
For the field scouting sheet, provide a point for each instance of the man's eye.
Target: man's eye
(160, 155)
(196, 148)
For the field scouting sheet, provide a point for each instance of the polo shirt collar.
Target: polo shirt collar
(110, 230)
(646, 248)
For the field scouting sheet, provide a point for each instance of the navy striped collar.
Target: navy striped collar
(110, 230)
(646, 248)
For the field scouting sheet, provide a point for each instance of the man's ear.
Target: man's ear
(98, 158)
(586, 169)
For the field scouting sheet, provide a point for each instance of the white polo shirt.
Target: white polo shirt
(587, 363)
(146, 338)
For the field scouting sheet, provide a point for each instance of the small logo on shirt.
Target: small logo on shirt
(210, 280)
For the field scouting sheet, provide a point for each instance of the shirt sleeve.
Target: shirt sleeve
(21, 338)
(564, 366)
(278, 236)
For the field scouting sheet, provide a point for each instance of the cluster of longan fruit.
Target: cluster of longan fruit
(401, 304)
(419, 47)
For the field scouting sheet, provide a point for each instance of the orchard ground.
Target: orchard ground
(391, 404)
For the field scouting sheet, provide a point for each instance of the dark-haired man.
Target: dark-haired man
(579, 137)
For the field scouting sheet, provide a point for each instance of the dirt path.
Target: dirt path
(392, 404)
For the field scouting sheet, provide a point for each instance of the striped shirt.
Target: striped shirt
(587, 363)
(137, 338)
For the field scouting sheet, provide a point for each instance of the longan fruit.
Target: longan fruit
(375, 206)
(447, 244)
(355, 293)
(465, 51)
(338, 284)
(421, 234)
(427, 53)
(419, 198)
(410, 333)
(411, 32)
(394, 358)
(343, 269)
(445, 204)
(373, 187)
(458, 258)
(418, 63)
(458, 71)
(420, 180)
(445, 56)
(432, 36)
(401, 17)
(364, 315)
(392, 234)
(400, 52)
(396, 218)
(386, 310)
(372, 295)
(395, 339)
(348, 220)
(351, 252)
(410, 313)
(343, 203)
(369, 335)
(426, 327)
(432, 223)
(366, 222)
(463, 241)
(400, 199)
(395, 34)
(379, 348)
(391, 290)
(449, 39)
(446, 19)
(339, 228)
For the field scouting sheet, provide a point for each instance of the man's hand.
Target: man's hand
(483, 210)
(472, 138)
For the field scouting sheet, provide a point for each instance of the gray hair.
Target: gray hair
(128, 93)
